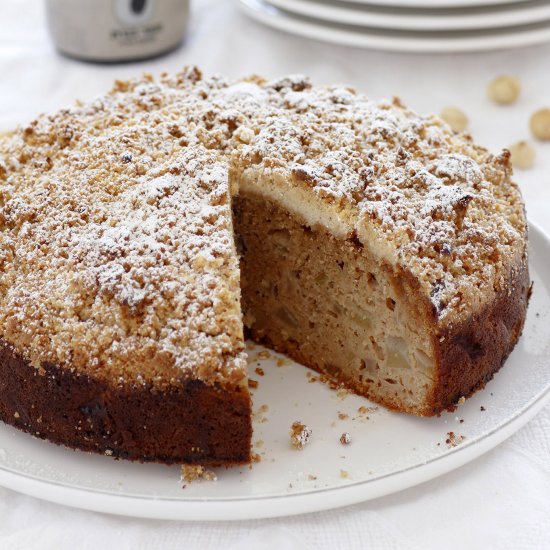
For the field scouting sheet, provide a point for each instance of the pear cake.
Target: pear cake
(145, 233)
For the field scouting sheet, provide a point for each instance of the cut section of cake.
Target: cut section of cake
(380, 248)
(375, 245)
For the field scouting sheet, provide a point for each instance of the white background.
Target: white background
(501, 500)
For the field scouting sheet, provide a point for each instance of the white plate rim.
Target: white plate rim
(269, 506)
(415, 20)
(433, 4)
(422, 42)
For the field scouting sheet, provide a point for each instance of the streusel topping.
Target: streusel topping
(443, 207)
(109, 258)
(115, 225)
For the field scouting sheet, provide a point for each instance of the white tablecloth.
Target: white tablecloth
(501, 500)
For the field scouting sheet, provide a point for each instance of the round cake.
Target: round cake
(143, 234)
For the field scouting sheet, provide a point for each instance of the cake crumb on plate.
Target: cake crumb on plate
(453, 439)
(259, 415)
(195, 472)
(300, 435)
(345, 438)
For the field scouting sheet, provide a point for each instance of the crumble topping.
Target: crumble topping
(97, 270)
(138, 269)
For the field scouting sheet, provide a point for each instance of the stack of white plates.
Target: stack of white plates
(410, 25)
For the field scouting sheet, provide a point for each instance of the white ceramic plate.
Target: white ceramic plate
(436, 4)
(397, 40)
(389, 451)
(411, 19)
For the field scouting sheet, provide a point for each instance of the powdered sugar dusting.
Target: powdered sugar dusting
(115, 231)
(127, 262)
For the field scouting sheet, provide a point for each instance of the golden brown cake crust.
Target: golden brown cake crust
(190, 423)
(469, 354)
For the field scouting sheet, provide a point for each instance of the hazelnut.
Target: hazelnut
(455, 118)
(504, 90)
(540, 124)
(523, 155)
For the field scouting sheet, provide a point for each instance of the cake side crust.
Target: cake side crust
(469, 354)
(131, 422)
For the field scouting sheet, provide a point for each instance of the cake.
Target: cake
(143, 234)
